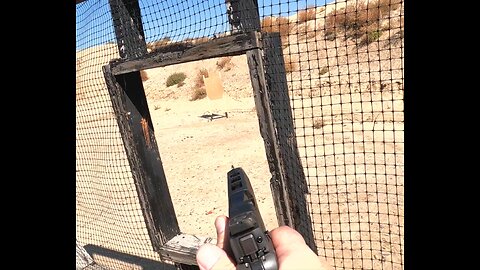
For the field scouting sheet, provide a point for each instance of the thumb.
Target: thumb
(211, 257)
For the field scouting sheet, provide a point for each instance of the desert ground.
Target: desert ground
(358, 101)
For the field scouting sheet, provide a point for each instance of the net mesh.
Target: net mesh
(108, 214)
(343, 66)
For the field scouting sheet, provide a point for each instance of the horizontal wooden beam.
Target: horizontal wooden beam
(183, 248)
(183, 52)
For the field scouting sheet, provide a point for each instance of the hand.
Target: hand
(292, 252)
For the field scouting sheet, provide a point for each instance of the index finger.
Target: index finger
(285, 239)
(292, 251)
(221, 228)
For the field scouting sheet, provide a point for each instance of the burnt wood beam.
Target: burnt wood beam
(127, 22)
(140, 144)
(183, 52)
(294, 183)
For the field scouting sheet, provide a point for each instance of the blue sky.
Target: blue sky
(175, 19)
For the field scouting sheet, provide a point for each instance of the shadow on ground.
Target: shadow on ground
(124, 258)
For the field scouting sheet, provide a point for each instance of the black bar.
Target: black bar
(183, 52)
(133, 117)
(243, 15)
(267, 131)
(127, 23)
(279, 100)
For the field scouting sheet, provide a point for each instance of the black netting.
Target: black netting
(335, 84)
(108, 215)
(174, 21)
(344, 70)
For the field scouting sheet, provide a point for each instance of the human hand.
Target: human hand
(290, 247)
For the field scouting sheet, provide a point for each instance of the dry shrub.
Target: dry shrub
(277, 24)
(323, 70)
(175, 78)
(318, 123)
(155, 45)
(370, 37)
(302, 31)
(396, 38)
(199, 91)
(166, 44)
(225, 63)
(143, 75)
(199, 78)
(306, 15)
(268, 24)
(357, 20)
(312, 33)
(306, 31)
(291, 65)
(387, 6)
(195, 41)
(395, 23)
(330, 30)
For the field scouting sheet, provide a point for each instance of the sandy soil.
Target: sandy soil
(197, 154)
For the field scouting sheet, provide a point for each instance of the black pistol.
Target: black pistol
(250, 243)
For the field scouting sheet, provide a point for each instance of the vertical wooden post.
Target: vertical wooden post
(135, 124)
(279, 100)
(267, 130)
(267, 73)
(243, 15)
(127, 22)
(138, 137)
(238, 11)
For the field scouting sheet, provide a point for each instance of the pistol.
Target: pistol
(250, 243)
